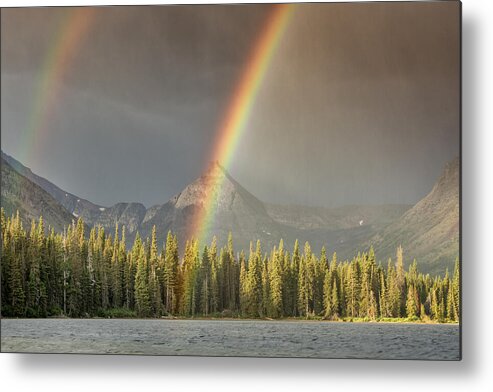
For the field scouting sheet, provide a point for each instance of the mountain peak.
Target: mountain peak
(214, 180)
(214, 169)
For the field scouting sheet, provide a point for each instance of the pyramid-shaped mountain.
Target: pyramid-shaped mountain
(232, 209)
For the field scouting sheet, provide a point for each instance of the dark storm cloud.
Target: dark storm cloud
(366, 98)
(360, 103)
(140, 101)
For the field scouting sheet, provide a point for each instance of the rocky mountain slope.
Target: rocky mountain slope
(89, 211)
(128, 214)
(429, 231)
(20, 194)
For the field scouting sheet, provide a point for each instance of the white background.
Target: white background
(473, 373)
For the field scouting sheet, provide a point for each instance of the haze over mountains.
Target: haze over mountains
(428, 231)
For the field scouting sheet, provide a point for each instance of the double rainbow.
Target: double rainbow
(71, 33)
(233, 126)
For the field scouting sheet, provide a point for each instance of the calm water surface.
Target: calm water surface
(232, 338)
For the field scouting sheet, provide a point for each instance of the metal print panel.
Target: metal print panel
(272, 180)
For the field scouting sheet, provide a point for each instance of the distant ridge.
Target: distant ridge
(128, 214)
(428, 231)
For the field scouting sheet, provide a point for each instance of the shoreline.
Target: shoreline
(218, 319)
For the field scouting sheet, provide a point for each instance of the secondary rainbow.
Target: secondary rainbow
(66, 40)
(238, 112)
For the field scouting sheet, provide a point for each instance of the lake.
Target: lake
(254, 338)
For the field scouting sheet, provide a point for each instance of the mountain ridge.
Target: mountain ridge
(18, 193)
(345, 229)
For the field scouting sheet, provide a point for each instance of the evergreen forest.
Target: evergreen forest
(95, 274)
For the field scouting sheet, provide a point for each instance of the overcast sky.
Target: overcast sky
(360, 104)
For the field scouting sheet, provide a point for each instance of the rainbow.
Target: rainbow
(66, 40)
(238, 112)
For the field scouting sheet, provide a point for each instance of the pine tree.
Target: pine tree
(394, 292)
(205, 276)
(435, 304)
(456, 292)
(189, 268)
(130, 270)
(303, 287)
(451, 306)
(400, 281)
(354, 288)
(287, 285)
(116, 269)
(234, 279)
(266, 303)
(253, 289)
(294, 277)
(18, 297)
(154, 279)
(412, 307)
(334, 302)
(327, 295)
(227, 292)
(214, 292)
(35, 294)
(306, 279)
(244, 294)
(142, 295)
(384, 296)
(171, 281)
(321, 270)
(276, 283)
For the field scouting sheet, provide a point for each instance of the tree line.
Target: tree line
(44, 273)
